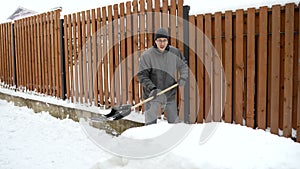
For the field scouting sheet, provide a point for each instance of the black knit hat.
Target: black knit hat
(161, 33)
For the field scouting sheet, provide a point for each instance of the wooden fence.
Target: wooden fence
(92, 57)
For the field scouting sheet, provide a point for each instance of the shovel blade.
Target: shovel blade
(118, 110)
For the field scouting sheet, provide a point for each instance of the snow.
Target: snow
(38, 140)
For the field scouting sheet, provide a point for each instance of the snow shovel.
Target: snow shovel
(118, 112)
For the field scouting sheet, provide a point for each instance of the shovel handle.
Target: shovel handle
(150, 98)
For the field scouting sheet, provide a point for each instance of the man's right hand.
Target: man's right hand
(154, 93)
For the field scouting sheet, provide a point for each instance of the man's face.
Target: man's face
(161, 43)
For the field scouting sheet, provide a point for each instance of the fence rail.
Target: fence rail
(91, 57)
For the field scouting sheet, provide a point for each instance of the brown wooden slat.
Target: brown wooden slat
(275, 70)
(123, 54)
(250, 67)
(157, 15)
(135, 52)
(261, 97)
(42, 54)
(295, 67)
(217, 76)
(46, 76)
(149, 24)
(49, 54)
(74, 75)
(208, 67)
(99, 58)
(239, 68)
(228, 66)
(164, 19)
(129, 51)
(116, 52)
(1, 52)
(80, 56)
(70, 65)
(94, 56)
(172, 21)
(192, 66)
(288, 70)
(105, 55)
(84, 57)
(111, 56)
(200, 67)
(143, 35)
(89, 57)
(56, 53)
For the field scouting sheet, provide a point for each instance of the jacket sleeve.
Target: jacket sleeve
(144, 73)
(182, 66)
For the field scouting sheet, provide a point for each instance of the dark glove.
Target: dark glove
(154, 93)
(181, 82)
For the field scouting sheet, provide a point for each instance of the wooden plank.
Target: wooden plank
(79, 61)
(192, 66)
(288, 70)
(208, 65)
(94, 56)
(56, 53)
(295, 67)
(1, 52)
(105, 55)
(261, 96)
(217, 65)
(135, 52)
(239, 68)
(75, 58)
(49, 55)
(275, 70)
(89, 57)
(123, 54)
(129, 51)
(157, 15)
(46, 76)
(143, 35)
(180, 25)
(111, 56)
(84, 57)
(250, 67)
(116, 52)
(43, 54)
(200, 67)
(228, 66)
(172, 21)
(150, 24)
(164, 19)
(70, 65)
(100, 56)
(39, 48)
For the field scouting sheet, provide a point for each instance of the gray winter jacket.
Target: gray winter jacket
(157, 70)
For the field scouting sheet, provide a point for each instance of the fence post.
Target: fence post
(62, 58)
(14, 54)
(186, 10)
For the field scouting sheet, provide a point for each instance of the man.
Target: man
(157, 68)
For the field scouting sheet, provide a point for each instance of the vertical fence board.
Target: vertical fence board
(135, 51)
(164, 19)
(192, 66)
(250, 67)
(66, 44)
(116, 51)
(89, 56)
(288, 70)
(84, 57)
(79, 57)
(111, 56)
(200, 67)
(228, 66)
(298, 90)
(157, 16)
(239, 68)
(261, 97)
(99, 68)
(150, 24)
(105, 55)
(70, 66)
(75, 58)
(129, 51)
(173, 23)
(123, 54)
(217, 76)
(275, 70)
(94, 58)
(208, 65)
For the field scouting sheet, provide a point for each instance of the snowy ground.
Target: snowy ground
(38, 140)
